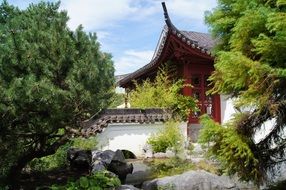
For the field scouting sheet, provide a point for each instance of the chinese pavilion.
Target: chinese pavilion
(191, 54)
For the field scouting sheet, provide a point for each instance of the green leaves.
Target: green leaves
(98, 181)
(169, 137)
(163, 93)
(250, 67)
(239, 75)
(248, 26)
(280, 3)
(230, 148)
(51, 79)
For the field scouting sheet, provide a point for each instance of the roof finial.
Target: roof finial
(166, 15)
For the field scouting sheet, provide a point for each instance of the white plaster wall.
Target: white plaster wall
(132, 137)
(227, 110)
(226, 107)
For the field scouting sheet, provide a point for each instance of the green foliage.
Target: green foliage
(162, 93)
(59, 159)
(250, 66)
(230, 148)
(207, 166)
(247, 74)
(97, 181)
(51, 79)
(169, 137)
(84, 143)
(117, 100)
(169, 167)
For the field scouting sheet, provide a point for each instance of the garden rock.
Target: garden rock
(98, 166)
(121, 169)
(104, 156)
(141, 172)
(111, 161)
(119, 156)
(199, 180)
(170, 154)
(79, 159)
(198, 150)
(126, 187)
(160, 155)
(148, 152)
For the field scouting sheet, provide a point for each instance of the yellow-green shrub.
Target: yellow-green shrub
(169, 137)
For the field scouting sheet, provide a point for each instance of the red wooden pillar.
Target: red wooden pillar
(197, 75)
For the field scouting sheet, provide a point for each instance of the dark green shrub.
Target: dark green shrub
(57, 160)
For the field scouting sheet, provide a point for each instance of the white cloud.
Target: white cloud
(101, 35)
(190, 8)
(96, 14)
(132, 60)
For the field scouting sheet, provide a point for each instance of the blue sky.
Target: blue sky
(130, 29)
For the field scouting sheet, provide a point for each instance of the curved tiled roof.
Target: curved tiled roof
(99, 122)
(201, 42)
(120, 77)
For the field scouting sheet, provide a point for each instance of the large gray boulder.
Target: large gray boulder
(111, 161)
(141, 172)
(121, 169)
(198, 180)
(103, 156)
(119, 156)
(79, 159)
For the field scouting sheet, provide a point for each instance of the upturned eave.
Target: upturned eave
(194, 41)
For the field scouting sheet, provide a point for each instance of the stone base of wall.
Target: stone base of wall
(193, 131)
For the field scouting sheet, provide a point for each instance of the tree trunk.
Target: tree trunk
(14, 173)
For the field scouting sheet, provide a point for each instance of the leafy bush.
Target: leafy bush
(98, 181)
(170, 137)
(230, 148)
(117, 100)
(163, 93)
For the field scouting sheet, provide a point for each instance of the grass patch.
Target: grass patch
(169, 166)
(161, 167)
(207, 166)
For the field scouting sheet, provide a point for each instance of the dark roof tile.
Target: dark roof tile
(203, 40)
(100, 121)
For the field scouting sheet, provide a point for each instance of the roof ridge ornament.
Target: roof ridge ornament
(166, 15)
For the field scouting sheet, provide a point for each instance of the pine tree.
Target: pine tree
(250, 66)
(51, 79)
